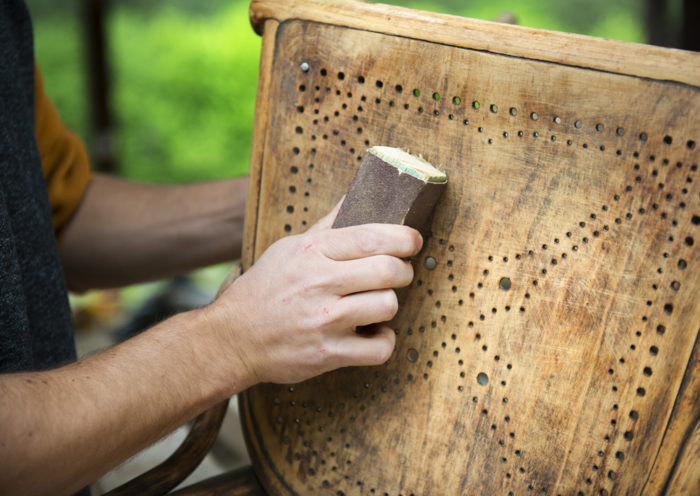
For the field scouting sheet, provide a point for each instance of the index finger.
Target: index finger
(350, 243)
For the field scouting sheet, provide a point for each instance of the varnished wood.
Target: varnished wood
(575, 375)
(241, 482)
(164, 477)
(518, 41)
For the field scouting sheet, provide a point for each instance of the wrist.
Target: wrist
(219, 349)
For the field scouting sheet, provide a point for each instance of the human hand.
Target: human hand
(293, 314)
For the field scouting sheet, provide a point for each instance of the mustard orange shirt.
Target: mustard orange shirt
(64, 159)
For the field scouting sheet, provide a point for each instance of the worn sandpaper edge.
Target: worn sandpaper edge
(394, 156)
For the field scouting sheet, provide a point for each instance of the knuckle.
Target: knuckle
(305, 243)
(409, 272)
(326, 353)
(393, 272)
(323, 319)
(390, 303)
(382, 353)
(319, 281)
(385, 354)
(309, 245)
(409, 239)
(386, 271)
(367, 240)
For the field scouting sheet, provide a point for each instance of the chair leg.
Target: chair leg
(182, 462)
(240, 482)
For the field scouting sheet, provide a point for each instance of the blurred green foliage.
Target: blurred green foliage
(615, 19)
(58, 47)
(184, 78)
(184, 72)
(184, 92)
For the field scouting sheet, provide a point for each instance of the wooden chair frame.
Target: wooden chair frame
(572, 214)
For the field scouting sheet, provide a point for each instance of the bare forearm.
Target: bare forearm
(74, 423)
(125, 232)
(279, 322)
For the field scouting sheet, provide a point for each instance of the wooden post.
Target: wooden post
(94, 14)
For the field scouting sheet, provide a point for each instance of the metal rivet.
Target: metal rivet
(304, 67)
(412, 355)
(430, 263)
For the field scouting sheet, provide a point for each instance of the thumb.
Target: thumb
(326, 222)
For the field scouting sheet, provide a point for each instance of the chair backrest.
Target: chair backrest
(549, 341)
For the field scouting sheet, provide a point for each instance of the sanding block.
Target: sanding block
(392, 186)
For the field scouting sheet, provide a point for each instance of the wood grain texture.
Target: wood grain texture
(686, 479)
(683, 430)
(550, 348)
(260, 130)
(519, 41)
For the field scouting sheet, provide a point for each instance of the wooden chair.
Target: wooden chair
(549, 341)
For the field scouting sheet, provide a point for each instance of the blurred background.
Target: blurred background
(164, 91)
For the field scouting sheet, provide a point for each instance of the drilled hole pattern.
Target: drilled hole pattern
(478, 316)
